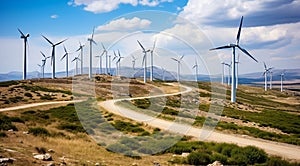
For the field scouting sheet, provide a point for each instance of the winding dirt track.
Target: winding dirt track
(37, 104)
(287, 151)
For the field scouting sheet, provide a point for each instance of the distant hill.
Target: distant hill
(250, 78)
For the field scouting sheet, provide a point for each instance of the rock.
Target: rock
(25, 132)
(134, 164)
(44, 157)
(10, 130)
(51, 164)
(155, 163)
(3, 161)
(51, 151)
(216, 163)
(184, 154)
(97, 164)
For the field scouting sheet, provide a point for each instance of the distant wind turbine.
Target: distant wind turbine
(163, 73)
(53, 54)
(266, 72)
(119, 61)
(151, 57)
(133, 62)
(66, 55)
(234, 46)
(281, 80)
(144, 60)
(91, 40)
(44, 62)
(271, 78)
(106, 58)
(100, 61)
(196, 69)
(228, 76)
(76, 59)
(24, 37)
(81, 57)
(223, 70)
(178, 66)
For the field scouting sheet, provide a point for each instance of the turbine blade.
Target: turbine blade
(65, 49)
(143, 59)
(63, 56)
(141, 46)
(102, 53)
(246, 52)
(22, 34)
(93, 33)
(103, 46)
(181, 57)
(154, 45)
(222, 47)
(94, 42)
(48, 40)
(43, 54)
(239, 31)
(119, 53)
(265, 66)
(175, 59)
(60, 42)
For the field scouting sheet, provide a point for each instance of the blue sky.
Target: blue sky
(190, 27)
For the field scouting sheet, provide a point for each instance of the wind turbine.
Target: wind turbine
(266, 72)
(81, 56)
(271, 77)
(144, 60)
(133, 62)
(178, 66)
(24, 37)
(66, 55)
(91, 40)
(106, 58)
(41, 69)
(119, 60)
(229, 69)
(44, 61)
(163, 73)
(237, 71)
(196, 69)
(151, 56)
(100, 61)
(115, 57)
(233, 46)
(281, 80)
(109, 64)
(53, 54)
(76, 59)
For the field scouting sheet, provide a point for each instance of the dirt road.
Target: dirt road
(287, 151)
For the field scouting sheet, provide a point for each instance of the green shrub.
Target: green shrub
(15, 99)
(2, 134)
(8, 83)
(132, 143)
(47, 97)
(198, 158)
(169, 111)
(74, 128)
(118, 148)
(39, 131)
(6, 123)
(145, 150)
(27, 94)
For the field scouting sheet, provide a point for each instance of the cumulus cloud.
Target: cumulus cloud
(124, 24)
(103, 6)
(225, 12)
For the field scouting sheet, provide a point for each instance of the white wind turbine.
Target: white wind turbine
(163, 73)
(266, 72)
(281, 80)
(133, 62)
(91, 40)
(25, 53)
(223, 70)
(196, 69)
(151, 57)
(53, 54)
(229, 69)
(119, 61)
(106, 58)
(66, 55)
(178, 66)
(237, 71)
(81, 56)
(76, 59)
(100, 61)
(144, 61)
(271, 78)
(109, 64)
(234, 46)
(44, 62)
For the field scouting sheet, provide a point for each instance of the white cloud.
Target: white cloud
(124, 24)
(103, 6)
(54, 16)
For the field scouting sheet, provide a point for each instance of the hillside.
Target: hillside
(75, 133)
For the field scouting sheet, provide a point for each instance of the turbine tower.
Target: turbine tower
(53, 54)
(223, 70)
(66, 55)
(106, 58)
(271, 77)
(24, 37)
(151, 54)
(234, 46)
(133, 62)
(76, 59)
(266, 72)
(44, 61)
(229, 69)
(100, 61)
(178, 66)
(144, 61)
(119, 60)
(91, 40)
(237, 71)
(196, 69)
(81, 57)
(281, 80)
(163, 73)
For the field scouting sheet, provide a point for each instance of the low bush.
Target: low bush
(70, 127)
(8, 83)
(39, 131)
(27, 94)
(6, 123)
(2, 134)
